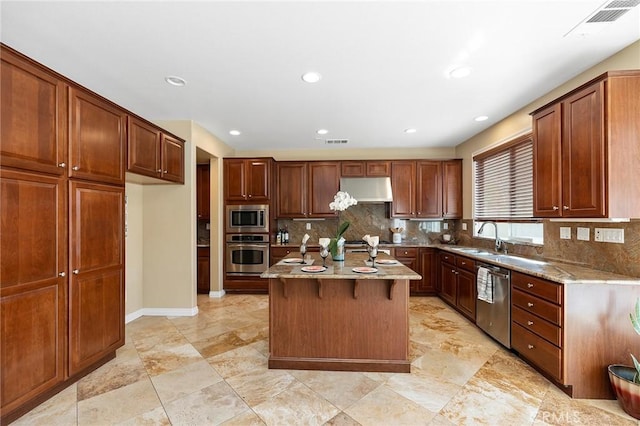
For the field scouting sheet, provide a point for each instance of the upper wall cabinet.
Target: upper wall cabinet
(247, 179)
(371, 168)
(427, 189)
(154, 153)
(97, 132)
(305, 188)
(586, 150)
(34, 116)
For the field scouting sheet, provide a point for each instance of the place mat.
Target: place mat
(289, 261)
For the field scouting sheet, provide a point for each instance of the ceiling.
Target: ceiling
(384, 64)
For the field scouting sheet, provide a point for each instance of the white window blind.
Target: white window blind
(504, 181)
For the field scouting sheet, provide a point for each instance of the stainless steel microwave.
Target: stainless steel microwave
(247, 218)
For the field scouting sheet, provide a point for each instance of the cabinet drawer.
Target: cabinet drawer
(406, 252)
(537, 350)
(466, 263)
(545, 329)
(449, 258)
(538, 286)
(537, 306)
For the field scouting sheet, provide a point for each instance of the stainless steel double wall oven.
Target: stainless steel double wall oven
(247, 239)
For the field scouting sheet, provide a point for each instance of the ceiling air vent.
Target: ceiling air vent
(602, 17)
(336, 141)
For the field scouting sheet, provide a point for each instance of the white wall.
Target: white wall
(133, 249)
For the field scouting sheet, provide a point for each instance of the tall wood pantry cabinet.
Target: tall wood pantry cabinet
(586, 150)
(62, 170)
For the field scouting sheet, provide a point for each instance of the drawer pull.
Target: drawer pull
(464, 263)
(529, 285)
(75, 272)
(75, 168)
(531, 346)
(529, 322)
(529, 304)
(62, 274)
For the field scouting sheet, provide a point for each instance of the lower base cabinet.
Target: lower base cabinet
(458, 283)
(204, 270)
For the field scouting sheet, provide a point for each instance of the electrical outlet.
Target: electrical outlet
(583, 234)
(308, 226)
(208, 226)
(464, 226)
(445, 225)
(565, 233)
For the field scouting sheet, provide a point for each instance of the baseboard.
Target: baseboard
(161, 312)
(217, 294)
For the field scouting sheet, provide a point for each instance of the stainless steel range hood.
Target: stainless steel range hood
(368, 189)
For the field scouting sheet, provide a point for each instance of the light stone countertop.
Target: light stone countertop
(563, 273)
(341, 270)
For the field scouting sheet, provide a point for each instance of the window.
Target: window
(503, 191)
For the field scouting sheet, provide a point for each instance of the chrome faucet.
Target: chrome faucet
(498, 243)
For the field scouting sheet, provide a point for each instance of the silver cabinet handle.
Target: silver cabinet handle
(531, 346)
(62, 165)
(565, 207)
(464, 263)
(529, 285)
(159, 170)
(250, 195)
(76, 168)
(529, 322)
(166, 171)
(62, 274)
(556, 208)
(529, 304)
(76, 271)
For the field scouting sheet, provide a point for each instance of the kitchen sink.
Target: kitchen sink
(517, 259)
(478, 252)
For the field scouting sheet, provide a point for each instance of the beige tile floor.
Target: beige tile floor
(212, 369)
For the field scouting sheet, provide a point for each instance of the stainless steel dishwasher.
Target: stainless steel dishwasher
(495, 317)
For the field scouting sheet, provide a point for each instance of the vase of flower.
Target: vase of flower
(341, 201)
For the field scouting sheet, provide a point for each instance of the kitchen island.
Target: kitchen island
(339, 319)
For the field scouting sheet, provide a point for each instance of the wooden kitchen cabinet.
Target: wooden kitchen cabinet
(582, 150)
(305, 188)
(33, 285)
(204, 272)
(152, 152)
(203, 191)
(458, 283)
(368, 168)
(247, 179)
(427, 189)
(96, 282)
(428, 268)
(33, 124)
(97, 131)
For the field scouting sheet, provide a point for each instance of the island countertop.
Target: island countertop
(341, 269)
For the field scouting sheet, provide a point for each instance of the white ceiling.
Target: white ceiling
(383, 63)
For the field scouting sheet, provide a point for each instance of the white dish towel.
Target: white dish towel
(485, 285)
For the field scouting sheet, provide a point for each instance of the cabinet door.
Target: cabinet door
(547, 164)
(172, 155)
(96, 257)
(292, 189)
(96, 138)
(429, 189)
(33, 286)
(143, 148)
(583, 154)
(466, 301)
(203, 277)
(403, 175)
(352, 169)
(203, 182)
(378, 168)
(452, 189)
(34, 115)
(258, 179)
(448, 283)
(234, 180)
(428, 270)
(324, 182)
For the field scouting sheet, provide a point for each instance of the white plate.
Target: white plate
(313, 269)
(386, 261)
(365, 270)
(293, 260)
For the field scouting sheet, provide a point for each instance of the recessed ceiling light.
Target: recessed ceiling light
(322, 132)
(234, 132)
(481, 118)
(410, 130)
(175, 80)
(311, 77)
(460, 72)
